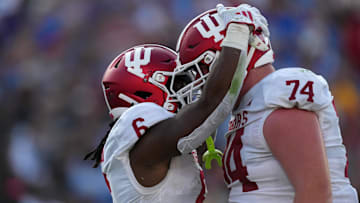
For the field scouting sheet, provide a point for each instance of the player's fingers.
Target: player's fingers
(220, 8)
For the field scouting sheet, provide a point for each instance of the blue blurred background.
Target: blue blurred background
(53, 54)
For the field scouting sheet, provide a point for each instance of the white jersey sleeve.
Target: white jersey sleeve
(296, 87)
(130, 127)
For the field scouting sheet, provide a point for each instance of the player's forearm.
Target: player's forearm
(220, 78)
(227, 77)
(218, 83)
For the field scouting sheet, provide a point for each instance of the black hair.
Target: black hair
(96, 153)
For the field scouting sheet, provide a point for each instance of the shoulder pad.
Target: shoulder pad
(296, 87)
(143, 114)
(132, 124)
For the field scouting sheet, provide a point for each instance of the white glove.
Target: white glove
(244, 14)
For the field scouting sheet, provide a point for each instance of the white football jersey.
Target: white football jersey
(184, 181)
(250, 169)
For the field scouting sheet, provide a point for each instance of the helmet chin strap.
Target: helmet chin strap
(115, 113)
(118, 111)
(105, 97)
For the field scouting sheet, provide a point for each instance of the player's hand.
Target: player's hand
(240, 14)
(244, 14)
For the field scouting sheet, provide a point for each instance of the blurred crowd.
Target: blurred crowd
(53, 55)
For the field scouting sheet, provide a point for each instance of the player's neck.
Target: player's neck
(254, 76)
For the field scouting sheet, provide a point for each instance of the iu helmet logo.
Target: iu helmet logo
(134, 66)
(214, 30)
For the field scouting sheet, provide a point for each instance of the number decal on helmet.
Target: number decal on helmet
(214, 30)
(134, 66)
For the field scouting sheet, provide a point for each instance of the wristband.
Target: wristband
(237, 36)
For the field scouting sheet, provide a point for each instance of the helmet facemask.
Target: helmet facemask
(198, 70)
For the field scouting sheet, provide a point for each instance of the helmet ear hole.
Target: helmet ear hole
(117, 63)
(191, 46)
(106, 86)
(143, 94)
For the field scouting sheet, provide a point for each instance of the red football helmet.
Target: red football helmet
(142, 74)
(199, 44)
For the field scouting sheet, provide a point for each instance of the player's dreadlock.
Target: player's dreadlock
(96, 153)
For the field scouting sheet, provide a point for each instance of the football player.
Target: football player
(284, 142)
(148, 153)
